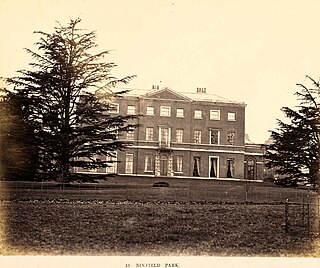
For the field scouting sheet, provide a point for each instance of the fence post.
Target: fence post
(286, 216)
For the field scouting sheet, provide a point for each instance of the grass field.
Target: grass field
(127, 216)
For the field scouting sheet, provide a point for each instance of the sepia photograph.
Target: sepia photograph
(156, 133)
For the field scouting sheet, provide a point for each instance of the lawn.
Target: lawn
(130, 217)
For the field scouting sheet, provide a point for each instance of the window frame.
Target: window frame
(231, 116)
(197, 139)
(130, 135)
(148, 163)
(180, 113)
(231, 137)
(212, 117)
(117, 109)
(129, 110)
(181, 131)
(129, 168)
(162, 109)
(195, 116)
(210, 136)
(149, 136)
(179, 164)
(148, 111)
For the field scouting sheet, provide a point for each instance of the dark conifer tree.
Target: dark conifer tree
(19, 155)
(294, 152)
(69, 90)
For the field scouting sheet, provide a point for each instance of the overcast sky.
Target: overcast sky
(244, 50)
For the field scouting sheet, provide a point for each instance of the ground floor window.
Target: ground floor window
(213, 167)
(129, 164)
(196, 166)
(179, 161)
(230, 163)
(148, 163)
(112, 166)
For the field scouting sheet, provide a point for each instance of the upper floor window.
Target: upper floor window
(130, 135)
(149, 133)
(197, 114)
(165, 111)
(164, 136)
(131, 109)
(179, 135)
(231, 116)
(180, 112)
(230, 138)
(197, 136)
(214, 136)
(150, 110)
(114, 108)
(214, 114)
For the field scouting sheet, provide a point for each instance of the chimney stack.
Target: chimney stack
(201, 90)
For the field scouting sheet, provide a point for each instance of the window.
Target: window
(130, 134)
(197, 136)
(165, 111)
(197, 114)
(114, 108)
(230, 138)
(179, 161)
(213, 162)
(214, 114)
(179, 135)
(214, 136)
(129, 164)
(196, 166)
(148, 165)
(180, 112)
(164, 136)
(149, 133)
(150, 110)
(112, 165)
(230, 164)
(231, 116)
(131, 109)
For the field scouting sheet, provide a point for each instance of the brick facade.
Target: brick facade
(188, 136)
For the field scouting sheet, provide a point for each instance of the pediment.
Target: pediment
(166, 94)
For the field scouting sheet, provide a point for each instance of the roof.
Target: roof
(166, 93)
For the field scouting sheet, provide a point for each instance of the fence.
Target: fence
(181, 192)
(302, 217)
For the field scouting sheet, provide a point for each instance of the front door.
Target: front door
(163, 165)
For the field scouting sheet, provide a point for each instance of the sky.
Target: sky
(243, 50)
